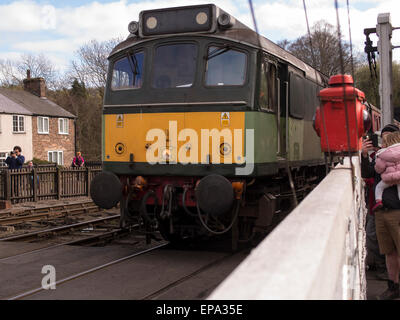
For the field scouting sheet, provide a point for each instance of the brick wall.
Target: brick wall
(53, 141)
(36, 86)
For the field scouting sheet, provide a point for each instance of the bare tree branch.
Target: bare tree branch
(9, 75)
(12, 72)
(325, 43)
(91, 64)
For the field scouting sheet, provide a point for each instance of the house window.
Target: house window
(3, 157)
(63, 126)
(18, 124)
(43, 125)
(56, 157)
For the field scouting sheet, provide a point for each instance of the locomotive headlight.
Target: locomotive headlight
(201, 18)
(166, 154)
(226, 21)
(151, 22)
(119, 148)
(133, 27)
(225, 149)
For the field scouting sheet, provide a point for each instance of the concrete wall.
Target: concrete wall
(317, 252)
(8, 139)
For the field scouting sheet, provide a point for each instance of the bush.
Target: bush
(37, 161)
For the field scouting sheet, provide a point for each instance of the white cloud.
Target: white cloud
(26, 16)
(73, 26)
(48, 17)
(10, 55)
(70, 27)
(60, 45)
(287, 19)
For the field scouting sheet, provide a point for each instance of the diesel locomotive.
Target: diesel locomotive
(206, 125)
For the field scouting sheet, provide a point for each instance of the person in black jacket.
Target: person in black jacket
(391, 203)
(390, 198)
(368, 171)
(16, 159)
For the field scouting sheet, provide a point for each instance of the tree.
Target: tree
(13, 72)
(78, 89)
(8, 74)
(370, 85)
(40, 66)
(86, 105)
(91, 65)
(325, 46)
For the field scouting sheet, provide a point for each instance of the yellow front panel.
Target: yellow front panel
(143, 134)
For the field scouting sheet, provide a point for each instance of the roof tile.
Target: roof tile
(30, 103)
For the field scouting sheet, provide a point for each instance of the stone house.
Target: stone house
(43, 129)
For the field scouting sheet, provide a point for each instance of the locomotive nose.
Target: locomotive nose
(106, 190)
(214, 194)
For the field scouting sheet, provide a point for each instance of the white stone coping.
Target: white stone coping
(304, 256)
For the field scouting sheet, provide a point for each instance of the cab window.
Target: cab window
(174, 66)
(128, 72)
(225, 66)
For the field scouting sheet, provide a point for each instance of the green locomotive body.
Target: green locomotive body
(205, 120)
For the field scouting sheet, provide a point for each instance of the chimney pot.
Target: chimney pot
(36, 86)
(28, 74)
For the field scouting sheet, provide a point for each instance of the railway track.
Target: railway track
(86, 272)
(192, 282)
(51, 232)
(103, 237)
(37, 221)
(83, 233)
(159, 292)
(46, 213)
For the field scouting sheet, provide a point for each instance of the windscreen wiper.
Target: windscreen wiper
(218, 51)
(134, 65)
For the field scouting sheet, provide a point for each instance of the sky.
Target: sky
(58, 28)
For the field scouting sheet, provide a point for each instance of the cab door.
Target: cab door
(283, 112)
(272, 99)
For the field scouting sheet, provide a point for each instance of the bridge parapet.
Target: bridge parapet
(317, 252)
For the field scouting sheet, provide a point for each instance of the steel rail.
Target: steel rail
(58, 229)
(74, 242)
(47, 208)
(83, 273)
(40, 216)
(189, 276)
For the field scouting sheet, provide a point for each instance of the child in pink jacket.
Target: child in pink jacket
(387, 164)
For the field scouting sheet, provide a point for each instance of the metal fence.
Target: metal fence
(45, 182)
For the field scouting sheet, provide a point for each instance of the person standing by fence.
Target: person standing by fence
(386, 220)
(368, 172)
(16, 159)
(30, 168)
(78, 161)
